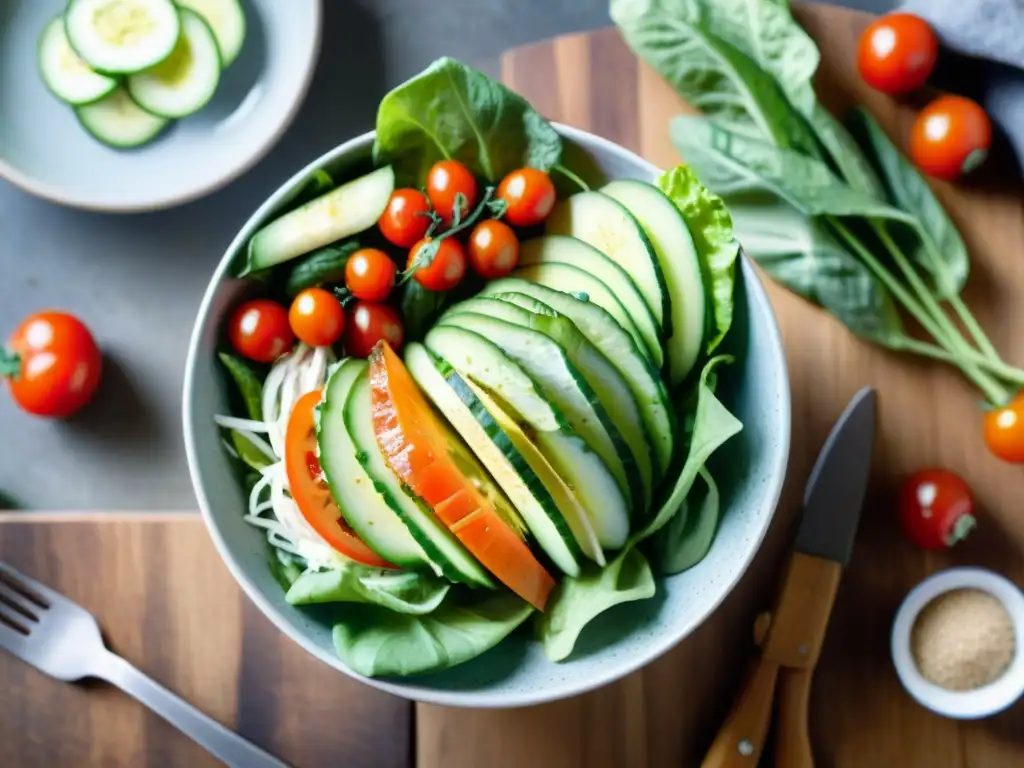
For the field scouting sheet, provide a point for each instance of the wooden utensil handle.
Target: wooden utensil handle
(800, 619)
(792, 740)
(740, 741)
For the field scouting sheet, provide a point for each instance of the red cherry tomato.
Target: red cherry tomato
(405, 219)
(1004, 431)
(445, 270)
(259, 330)
(936, 509)
(368, 323)
(950, 137)
(530, 195)
(445, 180)
(370, 274)
(310, 491)
(55, 362)
(493, 249)
(316, 317)
(897, 53)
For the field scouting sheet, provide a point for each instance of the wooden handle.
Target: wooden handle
(741, 739)
(792, 740)
(800, 619)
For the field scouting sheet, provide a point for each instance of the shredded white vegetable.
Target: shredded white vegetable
(271, 507)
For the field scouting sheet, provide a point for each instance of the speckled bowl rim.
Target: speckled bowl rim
(483, 700)
(967, 705)
(54, 194)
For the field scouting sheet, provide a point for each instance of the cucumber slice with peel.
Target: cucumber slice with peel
(185, 82)
(119, 122)
(227, 20)
(122, 37)
(68, 77)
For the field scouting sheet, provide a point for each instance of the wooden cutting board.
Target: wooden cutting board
(168, 603)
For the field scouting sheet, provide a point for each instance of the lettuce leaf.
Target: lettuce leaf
(407, 592)
(377, 642)
(451, 111)
(710, 226)
(688, 536)
(576, 601)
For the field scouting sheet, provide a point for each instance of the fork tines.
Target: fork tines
(20, 605)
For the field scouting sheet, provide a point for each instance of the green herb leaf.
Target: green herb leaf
(377, 642)
(453, 111)
(249, 384)
(324, 266)
(407, 592)
(687, 538)
(687, 42)
(941, 252)
(578, 600)
(248, 453)
(845, 154)
(711, 227)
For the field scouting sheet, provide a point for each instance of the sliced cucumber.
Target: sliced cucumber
(122, 37)
(363, 506)
(68, 77)
(577, 282)
(344, 211)
(227, 20)
(438, 543)
(185, 82)
(480, 361)
(617, 345)
(677, 254)
(499, 455)
(560, 249)
(619, 412)
(119, 122)
(607, 225)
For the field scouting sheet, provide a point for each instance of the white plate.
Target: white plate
(45, 151)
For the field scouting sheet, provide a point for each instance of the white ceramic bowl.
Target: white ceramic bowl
(45, 151)
(750, 470)
(966, 705)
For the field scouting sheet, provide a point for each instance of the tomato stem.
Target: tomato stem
(963, 526)
(10, 363)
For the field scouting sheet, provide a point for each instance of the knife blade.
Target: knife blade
(835, 491)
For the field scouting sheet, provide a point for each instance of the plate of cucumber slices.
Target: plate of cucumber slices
(134, 105)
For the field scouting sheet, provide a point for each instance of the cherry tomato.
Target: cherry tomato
(368, 323)
(370, 274)
(55, 364)
(936, 508)
(445, 270)
(493, 249)
(530, 195)
(445, 180)
(316, 317)
(259, 330)
(949, 137)
(309, 489)
(405, 219)
(1004, 431)
(897, 53)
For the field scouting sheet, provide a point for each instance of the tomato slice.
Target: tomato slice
(418, 450)
(310, 491)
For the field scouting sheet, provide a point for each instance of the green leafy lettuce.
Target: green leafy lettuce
(376, 642)
(578, 600)
(452, 111)
(409, 592)
(250, 388)
(711, 227)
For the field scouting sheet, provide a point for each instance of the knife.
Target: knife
(792, 635)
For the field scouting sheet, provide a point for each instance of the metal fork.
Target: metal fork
(62, 639)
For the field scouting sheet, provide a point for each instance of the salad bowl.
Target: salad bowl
(749, 469)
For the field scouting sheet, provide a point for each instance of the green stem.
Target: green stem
(996, 367)
(973, 327)
(571, 176)
(10, 363)
(988, 386)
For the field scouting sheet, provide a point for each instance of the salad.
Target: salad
(475, 390)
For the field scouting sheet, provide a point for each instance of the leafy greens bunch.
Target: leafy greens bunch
(833, 212)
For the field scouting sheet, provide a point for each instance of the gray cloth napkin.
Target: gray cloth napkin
(988, 38)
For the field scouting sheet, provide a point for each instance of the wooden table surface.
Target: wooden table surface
(169, 605)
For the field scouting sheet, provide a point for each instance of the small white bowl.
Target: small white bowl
(979, 702)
